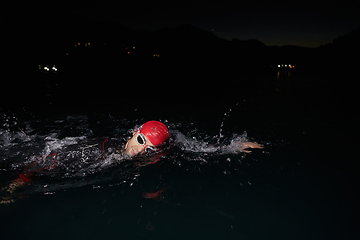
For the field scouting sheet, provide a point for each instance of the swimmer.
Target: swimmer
(150, 137)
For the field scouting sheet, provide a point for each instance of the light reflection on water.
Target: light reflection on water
(283, 75)
(61, 86)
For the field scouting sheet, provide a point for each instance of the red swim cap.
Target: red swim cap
(155, 131)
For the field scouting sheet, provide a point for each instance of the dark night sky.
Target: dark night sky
(308, 23)
(304, 23)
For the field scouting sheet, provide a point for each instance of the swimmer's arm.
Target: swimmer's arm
(23, 179)
(247, 145)
(14, 185)
(10, 189)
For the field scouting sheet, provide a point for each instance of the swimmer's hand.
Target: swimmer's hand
(246, 145)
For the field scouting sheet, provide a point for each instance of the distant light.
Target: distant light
(128, 52)
(67, 54)
(39, 66)
(285, 65)
(88, 44)
(78, 43)
(133, 47)
(46, 68)
(54, 68)
(289, 65)
(279, 65)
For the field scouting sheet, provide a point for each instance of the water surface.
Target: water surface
(302, 185)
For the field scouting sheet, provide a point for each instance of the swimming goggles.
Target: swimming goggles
(141, 141)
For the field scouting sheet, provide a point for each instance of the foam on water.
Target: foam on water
(65, 153)
(199, 146)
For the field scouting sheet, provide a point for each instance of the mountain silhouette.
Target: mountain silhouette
(92, 56)
(35, 39)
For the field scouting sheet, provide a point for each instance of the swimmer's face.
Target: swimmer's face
(133, 148)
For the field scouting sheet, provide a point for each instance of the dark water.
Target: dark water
(302, 185)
